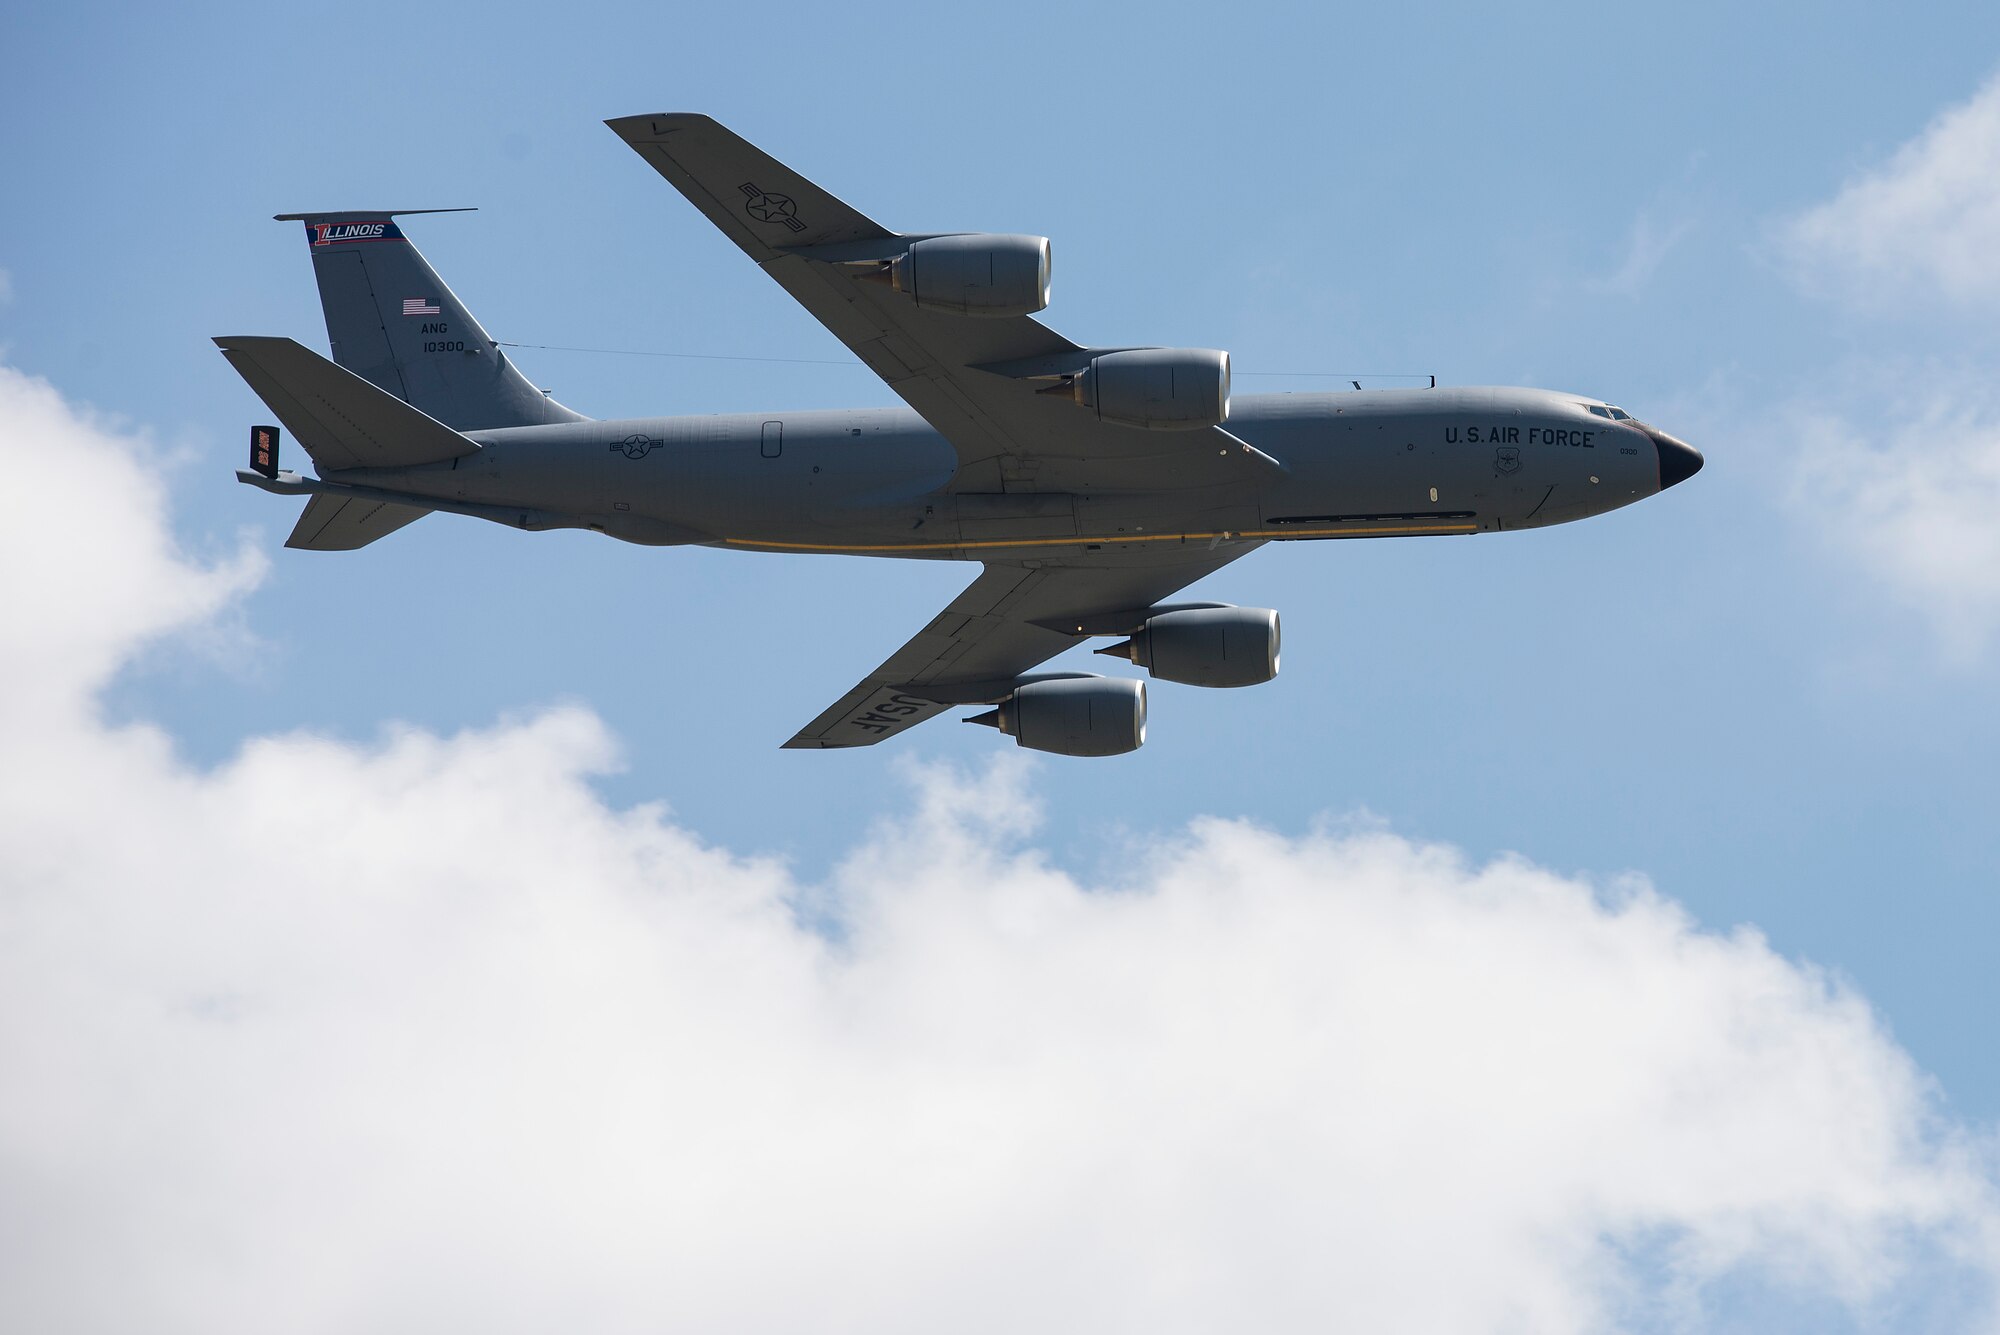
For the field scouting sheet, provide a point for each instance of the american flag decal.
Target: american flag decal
(419, 306)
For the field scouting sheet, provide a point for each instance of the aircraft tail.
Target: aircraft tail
(344, 423)
(394, 323)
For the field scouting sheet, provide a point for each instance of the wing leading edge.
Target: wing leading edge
(973, 379)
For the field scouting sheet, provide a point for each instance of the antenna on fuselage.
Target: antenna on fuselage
(1355, 383)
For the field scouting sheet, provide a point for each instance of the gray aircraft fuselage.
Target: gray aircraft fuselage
(879, 482)
(1092, 483)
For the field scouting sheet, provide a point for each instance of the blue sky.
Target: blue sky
(1772, 691)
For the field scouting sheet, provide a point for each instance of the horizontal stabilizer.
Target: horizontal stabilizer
(338, 418)
(336, 523)
(335, 215)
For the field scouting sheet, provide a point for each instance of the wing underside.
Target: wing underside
(1009, 621)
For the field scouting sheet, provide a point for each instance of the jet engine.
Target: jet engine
(1167, 389)
(975, 274)
(1208, 646)
(1074, 716)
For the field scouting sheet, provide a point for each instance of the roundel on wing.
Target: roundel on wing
(766, 207)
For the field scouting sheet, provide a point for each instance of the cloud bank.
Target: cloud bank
(1919, 228)
(424, 1035)
(1911, 504)
(1904, 489)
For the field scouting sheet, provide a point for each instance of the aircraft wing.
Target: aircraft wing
(1009, 620)
(817, 248)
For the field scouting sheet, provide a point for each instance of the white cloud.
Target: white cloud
(424, 1035)
(1647, 246)
(1911, 505)
(1920, 227)
(81, 590)
(1905, 488)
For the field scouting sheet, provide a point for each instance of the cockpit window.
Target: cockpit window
(1619, 415)
(1596, 411)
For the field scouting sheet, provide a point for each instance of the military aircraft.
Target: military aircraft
(1092, 483)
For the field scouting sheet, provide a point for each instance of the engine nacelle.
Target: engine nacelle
(1166, 389)
(975, 274)
(1075, 716)
(1208, 646)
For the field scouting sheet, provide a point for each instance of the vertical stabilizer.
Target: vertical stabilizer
(394, 323)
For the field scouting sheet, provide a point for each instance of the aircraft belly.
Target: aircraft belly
(1028, 528)
(1351, 487)
(792, 473)
(1595, 487)
(1467, 461)
(823, 474)
(990, 517)
(877, 484)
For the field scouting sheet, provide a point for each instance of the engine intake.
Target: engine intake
(1209, 646)
(1163, 389)
(975, 274)
(1074, 716)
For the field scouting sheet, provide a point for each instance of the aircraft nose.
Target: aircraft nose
(1679, 460)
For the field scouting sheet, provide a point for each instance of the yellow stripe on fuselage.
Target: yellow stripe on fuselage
(1230, 535)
